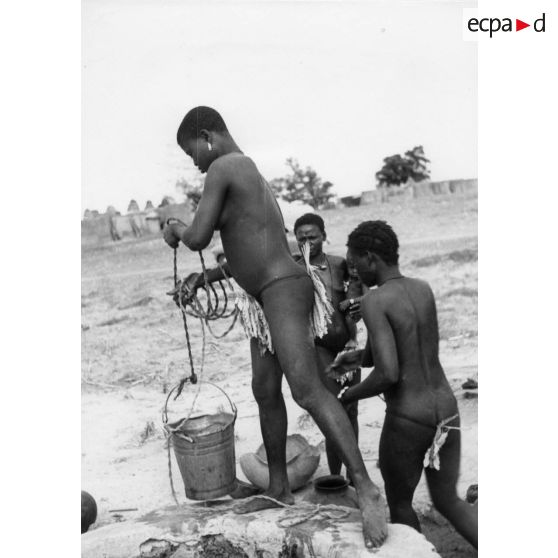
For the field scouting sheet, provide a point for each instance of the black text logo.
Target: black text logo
(493, 25)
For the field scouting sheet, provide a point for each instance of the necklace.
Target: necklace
(323, 266)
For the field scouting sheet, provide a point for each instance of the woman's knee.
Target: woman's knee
(302, 399)
(266, 375)
(308, 396)
(266, 390)
(265, 395)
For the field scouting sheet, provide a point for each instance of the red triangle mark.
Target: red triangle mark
(519, 25)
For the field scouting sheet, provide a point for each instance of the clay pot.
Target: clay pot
(332, 489)
(302, 462)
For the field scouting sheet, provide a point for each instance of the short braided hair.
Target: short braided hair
(310, 219)
(377, 237)
(199, 118)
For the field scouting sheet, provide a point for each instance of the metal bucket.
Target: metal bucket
(204, 450)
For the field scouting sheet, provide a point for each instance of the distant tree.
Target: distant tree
(192, 191)
(394, 172)
(302, 185)
(397, 169)
(420, 163)
(278, 186)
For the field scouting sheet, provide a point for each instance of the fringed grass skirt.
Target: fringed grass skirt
(255, 323)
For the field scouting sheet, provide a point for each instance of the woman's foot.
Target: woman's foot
(374, 519)
(244, 490)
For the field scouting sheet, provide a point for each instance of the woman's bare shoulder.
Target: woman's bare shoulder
(372, 299)
(420, 284)
(233, 162)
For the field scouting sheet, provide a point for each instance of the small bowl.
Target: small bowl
(332, 490)
(331, 483)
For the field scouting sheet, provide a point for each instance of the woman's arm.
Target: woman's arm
(198, 235)
(213, 275)
(367, 358)
(381, 341)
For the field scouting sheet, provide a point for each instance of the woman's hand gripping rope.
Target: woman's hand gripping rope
(185, 290)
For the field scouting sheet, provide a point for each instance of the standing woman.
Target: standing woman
(238, 202)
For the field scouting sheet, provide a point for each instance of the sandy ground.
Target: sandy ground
(133, 352)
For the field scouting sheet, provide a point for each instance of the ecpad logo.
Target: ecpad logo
(493, 25)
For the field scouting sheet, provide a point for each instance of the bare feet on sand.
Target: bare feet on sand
(244, 490)
(267, 500)
(374, 520)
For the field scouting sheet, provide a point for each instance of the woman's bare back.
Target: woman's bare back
(422, 391)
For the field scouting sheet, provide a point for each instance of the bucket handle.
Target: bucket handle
(233, 406)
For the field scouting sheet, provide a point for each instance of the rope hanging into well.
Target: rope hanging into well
(190, 305)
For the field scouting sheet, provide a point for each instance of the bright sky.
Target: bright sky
(337, 85)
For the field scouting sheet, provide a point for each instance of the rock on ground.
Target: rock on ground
(213, 530)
